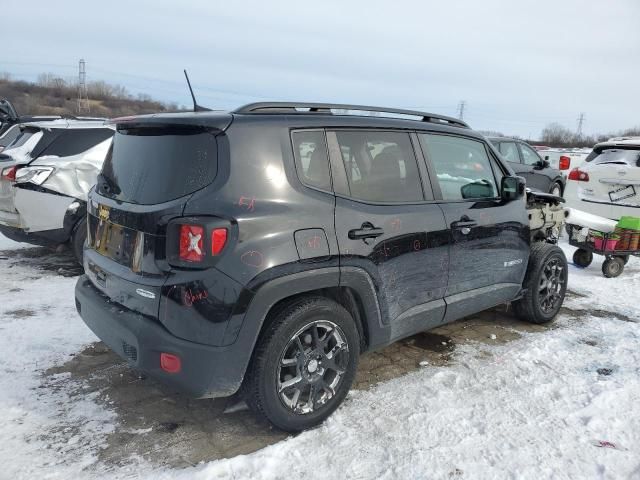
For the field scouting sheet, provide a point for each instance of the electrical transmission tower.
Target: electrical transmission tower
(461, 107)
(580, 124)
(83, 95)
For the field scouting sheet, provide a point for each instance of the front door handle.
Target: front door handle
(464, 223)
(366, 230)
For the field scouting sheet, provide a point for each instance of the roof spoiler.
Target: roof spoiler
(326, 108)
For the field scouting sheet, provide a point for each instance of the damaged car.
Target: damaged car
(45, 176)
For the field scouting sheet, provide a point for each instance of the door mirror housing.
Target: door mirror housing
(512, 188)
(542, 164)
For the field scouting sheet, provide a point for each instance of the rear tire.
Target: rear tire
(545, 283)
(315, 341)
(78, 239)
(612, 267)
(556, 189)
(582, 258)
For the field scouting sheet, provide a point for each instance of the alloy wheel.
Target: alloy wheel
(311, 366)
(551, 285)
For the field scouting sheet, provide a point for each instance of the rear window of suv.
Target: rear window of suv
(150, 165)
(619, 156)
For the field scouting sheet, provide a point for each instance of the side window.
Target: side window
(509, 151)
(380, 166)
(9, 136)
(462, 167)
(312, 163)
(76, 141)
(529, 156)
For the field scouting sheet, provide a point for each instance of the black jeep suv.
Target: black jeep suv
(264, 249)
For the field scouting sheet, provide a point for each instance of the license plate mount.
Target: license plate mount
(622, 193)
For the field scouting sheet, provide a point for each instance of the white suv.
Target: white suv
(608, 182)
(45, 175)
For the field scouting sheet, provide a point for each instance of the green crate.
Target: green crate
(629, 223)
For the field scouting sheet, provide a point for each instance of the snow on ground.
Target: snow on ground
(556, 404)
(44, 430)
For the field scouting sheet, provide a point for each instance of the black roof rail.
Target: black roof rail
(293, 107)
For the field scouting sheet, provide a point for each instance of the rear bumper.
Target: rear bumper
(9, 219)
(206, 371)
(608, 210)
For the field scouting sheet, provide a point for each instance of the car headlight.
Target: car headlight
(35, 175)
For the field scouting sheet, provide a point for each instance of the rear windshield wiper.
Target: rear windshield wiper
(107, 186)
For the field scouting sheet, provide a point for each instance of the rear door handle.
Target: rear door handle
(366, 230)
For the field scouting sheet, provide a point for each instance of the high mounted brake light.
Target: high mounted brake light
(578, 175)
(565, 162)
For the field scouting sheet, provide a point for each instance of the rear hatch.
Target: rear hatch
(613, 177)
(149, 174)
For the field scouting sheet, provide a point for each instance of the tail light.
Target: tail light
(195, 242)
(191, 241)
(218, 240)
(565, 162)
(170, 363)
(578, 175)
(9, 174)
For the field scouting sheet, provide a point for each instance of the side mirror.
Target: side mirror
(512, 188)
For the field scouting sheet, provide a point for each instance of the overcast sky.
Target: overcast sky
(518, 64)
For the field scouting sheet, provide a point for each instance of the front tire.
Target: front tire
(545, 284)
(556, 189)
(304, 364)
(78, 239)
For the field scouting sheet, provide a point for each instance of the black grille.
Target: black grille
(130, 352)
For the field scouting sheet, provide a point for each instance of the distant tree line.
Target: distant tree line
(53, 95)
(557, 135)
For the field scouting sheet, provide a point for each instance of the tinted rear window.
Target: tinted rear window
(618, 156)
(152, 165)
(76, 141)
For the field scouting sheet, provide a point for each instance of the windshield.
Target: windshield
(150, 165)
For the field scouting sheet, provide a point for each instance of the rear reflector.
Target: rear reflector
(565, 162)
(170, 363)
(218, 240)
(9, 174)
(578, 175)
(191, 240)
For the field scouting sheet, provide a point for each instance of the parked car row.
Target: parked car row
(261, 250)
(46, 172)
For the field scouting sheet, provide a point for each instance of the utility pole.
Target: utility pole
(580, 124)
(83, 95)
(461, 109)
